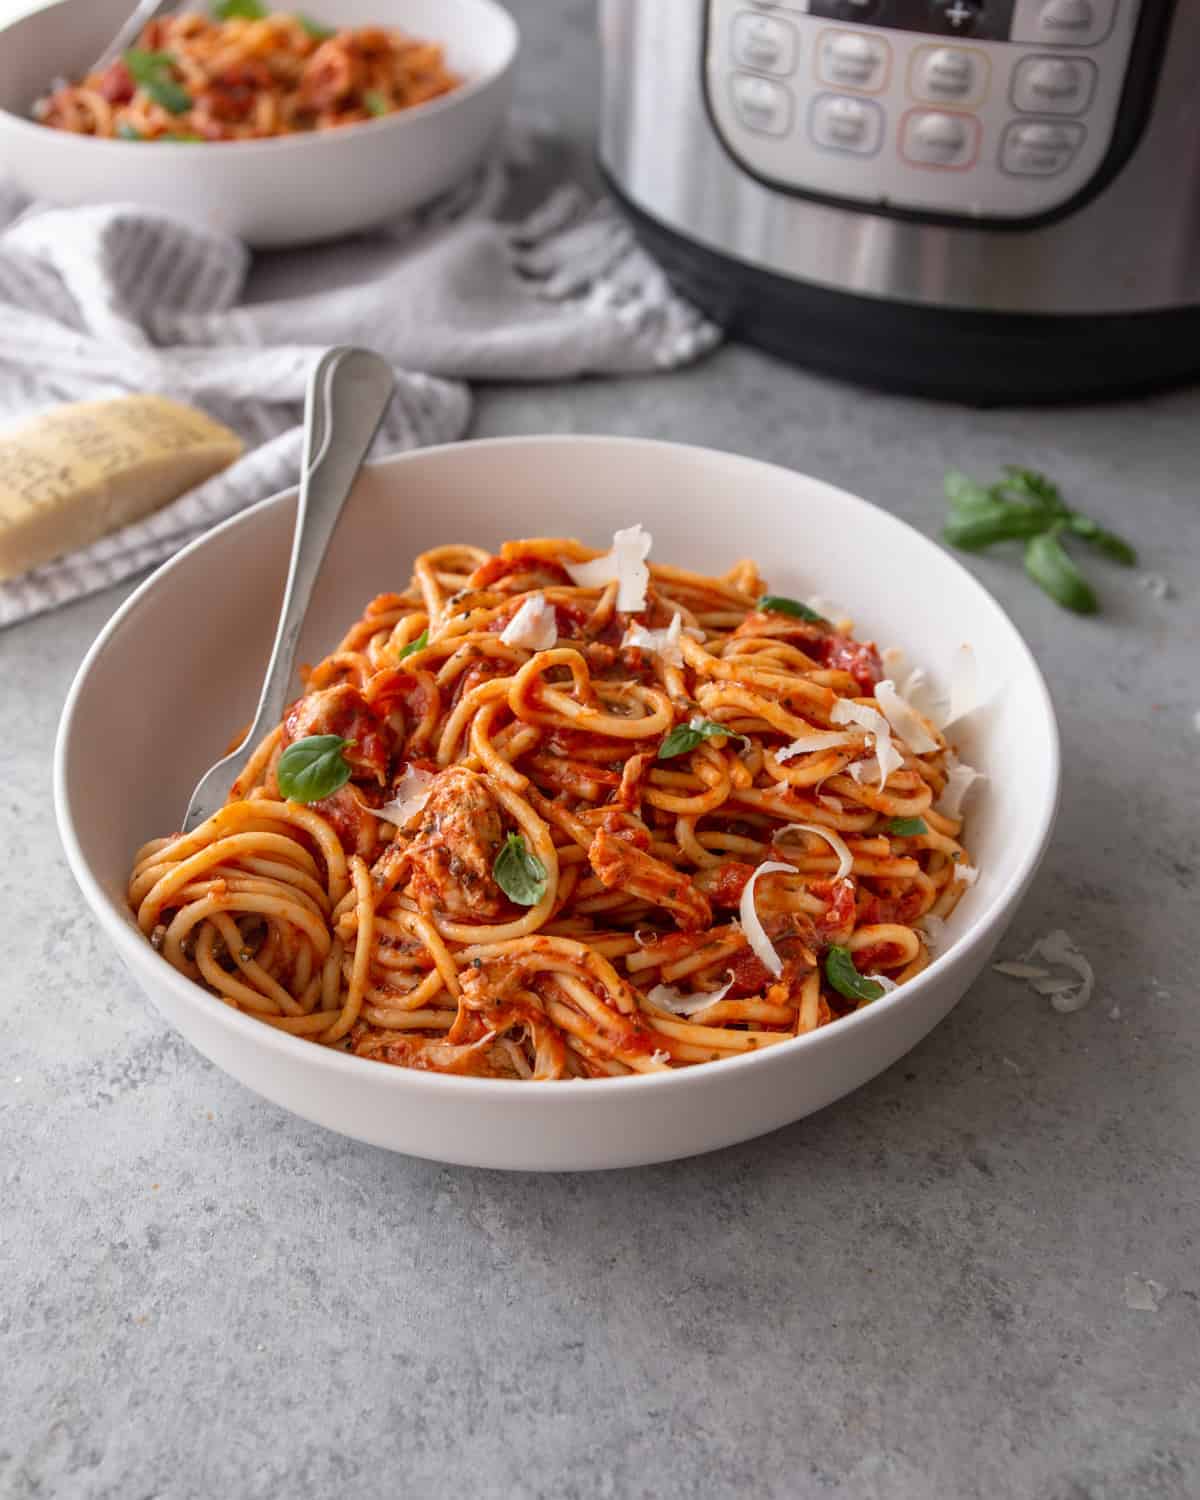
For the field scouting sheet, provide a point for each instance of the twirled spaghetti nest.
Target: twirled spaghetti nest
(391, 937)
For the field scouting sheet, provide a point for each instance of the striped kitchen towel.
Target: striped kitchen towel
(105, 301)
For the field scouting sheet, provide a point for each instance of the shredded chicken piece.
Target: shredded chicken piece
(341, 710)
(620, 866)
(455, 847)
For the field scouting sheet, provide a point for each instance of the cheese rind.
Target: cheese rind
(77, 473)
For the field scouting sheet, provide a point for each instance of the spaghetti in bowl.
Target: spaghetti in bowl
(661, 1105)
(546, 815)
(425, 84)
(249, 75)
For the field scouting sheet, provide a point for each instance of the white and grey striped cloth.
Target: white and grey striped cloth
(104, 301)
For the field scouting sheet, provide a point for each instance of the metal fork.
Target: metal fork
(348, 394)
(144, 12)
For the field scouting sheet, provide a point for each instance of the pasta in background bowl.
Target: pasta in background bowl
(331, 123)
(703, 509)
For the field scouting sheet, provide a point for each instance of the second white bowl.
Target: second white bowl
(291, 191)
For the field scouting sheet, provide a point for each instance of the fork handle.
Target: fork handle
(348, 393)
(145, 12)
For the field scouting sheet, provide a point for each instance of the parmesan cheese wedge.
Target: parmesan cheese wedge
(78, 472)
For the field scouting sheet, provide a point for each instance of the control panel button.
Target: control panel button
(1039, 148)
(839, 123)
(1053, 85)
(760, 104)
(764, 42)
(937, 138)
(1063, 23)
(958, 17)
(851, 60)
(949, 75)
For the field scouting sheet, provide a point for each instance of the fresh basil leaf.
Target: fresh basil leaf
(973, 530)
(519, 874)
(966, 494)
(1047, 563)
(418, 645)
(1113, 546)
(845, 978)
(128, 132)
(780, 604)
(245, 10)
(685, 737)
(315, 29)
(907, 828)
(140, 62)
(152, 71)
(377, 103)
(313, 768)
(1032, 486)
(173, 97)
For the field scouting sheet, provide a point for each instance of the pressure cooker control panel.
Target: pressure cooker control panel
(998, 109)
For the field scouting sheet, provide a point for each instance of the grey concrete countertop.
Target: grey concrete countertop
(978, 1276)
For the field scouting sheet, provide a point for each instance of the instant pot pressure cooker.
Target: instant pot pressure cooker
(983, 200)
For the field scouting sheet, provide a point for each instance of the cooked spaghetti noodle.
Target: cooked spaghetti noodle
(708, 797)
(247, 78)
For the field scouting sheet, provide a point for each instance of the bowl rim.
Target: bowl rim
(468, 89)
(133, 948)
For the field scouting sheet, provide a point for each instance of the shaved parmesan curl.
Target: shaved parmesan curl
(667, 997)
(1022, 971)
(904, 718)
(937, 708)
(887, 757)
(834, 840)
(1065, 995)
(964, 693)
(411, 793)
(967, 874)
(816, 739)
(919, 692)
(958, 783)
(662, 643)
(933, 930)
(759, 942)
(534, 626)
(626, 562)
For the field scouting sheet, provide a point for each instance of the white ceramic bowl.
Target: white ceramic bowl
(167, 681)
(290, 191)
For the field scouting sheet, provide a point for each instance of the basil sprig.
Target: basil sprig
(845, 978)
(685, 737)
(519, 874)
(780, 604)
(313, 768)
(154, 73)
(1026, 506)
(907, 828)
(418, 645)
(377, 103)
(245, 10)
